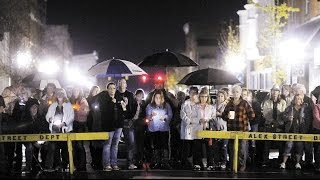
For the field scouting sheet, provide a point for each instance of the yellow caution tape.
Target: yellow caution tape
(260, 136)
(69, 137)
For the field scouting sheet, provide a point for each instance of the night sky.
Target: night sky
(133, 29)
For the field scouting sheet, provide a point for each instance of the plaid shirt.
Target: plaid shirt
(243, 113)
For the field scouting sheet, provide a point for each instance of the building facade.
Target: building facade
(22, 24)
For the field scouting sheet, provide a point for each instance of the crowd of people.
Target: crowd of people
(160, 130)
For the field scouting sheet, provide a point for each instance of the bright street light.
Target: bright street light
(49, 67)
(235, 64)
(24, 59)
(291, 51)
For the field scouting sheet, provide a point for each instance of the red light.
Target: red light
(144, 78)
(159, 78)
(147, 120)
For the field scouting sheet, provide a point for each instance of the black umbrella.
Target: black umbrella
(40, 80)
(209, 76)
(167, 59)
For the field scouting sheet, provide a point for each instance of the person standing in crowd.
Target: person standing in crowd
(238, 113)
(173, 102)
(159, 113)
(38, 125)
(81, 110)
(294, 117)
(176, 150)
(272, 110)
(48, 98)
(220, 145)
(308, 107)
(128, 130)
(206, 113)
(60, 117)
(93, 125)
(139, 107)
(113, 110)
(18, 126)
(254, 123)
(189, 126)
(286, 94)
(316, 126)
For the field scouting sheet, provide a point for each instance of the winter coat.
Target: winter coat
(109, 118)
(189, 121)
(298, 123)
(316, 116)
(68, 115)
(267, 111)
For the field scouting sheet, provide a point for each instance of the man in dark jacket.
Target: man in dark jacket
(112, 110)
(128, 130)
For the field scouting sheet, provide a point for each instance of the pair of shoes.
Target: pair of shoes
(197, 167)
(223, 167)
(166, 166)
(283, 165)
(146, 166)
(116, 168)
(298, 166)
(107, 168)
(242, 168)
(132, 167)
(210, 168)
(82, 169)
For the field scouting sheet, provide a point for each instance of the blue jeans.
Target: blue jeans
(110, 148)
(129, 140)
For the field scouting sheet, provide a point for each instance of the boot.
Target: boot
(165, 159)
(156, 159)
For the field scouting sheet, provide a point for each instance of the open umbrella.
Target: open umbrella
(209, 76)
(116, 68)
(167, 59)
(39, 80)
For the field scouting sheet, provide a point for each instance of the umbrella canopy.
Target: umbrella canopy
(38, 76)
(209, 76)
(40, 80)
(116, 68)
(167, 59)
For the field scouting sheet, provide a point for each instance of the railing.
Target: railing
(69, 137)
(236, 135)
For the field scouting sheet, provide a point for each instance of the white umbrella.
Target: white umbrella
(116, 68)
